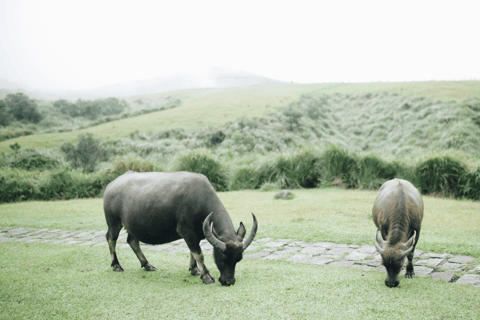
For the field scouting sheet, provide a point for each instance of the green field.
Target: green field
(76, 282)
(330, 214)
(214, 107)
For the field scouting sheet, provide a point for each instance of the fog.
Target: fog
(79, 45)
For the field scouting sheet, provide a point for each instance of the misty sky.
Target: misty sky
(59, 45)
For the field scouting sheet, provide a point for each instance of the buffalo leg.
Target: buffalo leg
(193, 266)
(135, 245)
(409, 273)
(186, 231)
(112, 236)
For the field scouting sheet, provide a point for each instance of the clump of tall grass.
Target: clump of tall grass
(17, 185)
(441, 174)
(204, 162)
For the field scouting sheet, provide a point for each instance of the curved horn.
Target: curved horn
(251, 236)
(405, 252)
(207, 231)
(410, 241)
(380, 241)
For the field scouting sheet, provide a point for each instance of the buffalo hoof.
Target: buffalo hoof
(207, 279)
(410, 274)
(149, 267)
(195, 272)
(118, 268)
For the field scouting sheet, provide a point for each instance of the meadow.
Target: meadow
(47, 281)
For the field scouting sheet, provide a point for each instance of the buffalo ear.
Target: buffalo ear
(241, 230)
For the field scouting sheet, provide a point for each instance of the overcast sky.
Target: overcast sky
(71, 44)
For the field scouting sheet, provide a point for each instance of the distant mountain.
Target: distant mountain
(216, 78)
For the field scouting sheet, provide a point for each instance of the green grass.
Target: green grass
(71, 282)
(331, 214)
(214, 107)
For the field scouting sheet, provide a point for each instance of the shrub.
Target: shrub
(85, 154)
(17, 185)
(6, 134)
(245, 177)
(132, 163)
(66, 184)
(339, 163)
(471, 184)
(202, 161)
(32, 160)
(301, 169)
(374, 172)
(440, 174)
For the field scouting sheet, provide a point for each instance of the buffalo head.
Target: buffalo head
(227, 252)
(393, 257)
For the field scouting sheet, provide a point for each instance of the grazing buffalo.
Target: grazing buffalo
(159, 207)
(398, 214)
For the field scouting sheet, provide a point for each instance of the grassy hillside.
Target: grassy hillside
(214, 107)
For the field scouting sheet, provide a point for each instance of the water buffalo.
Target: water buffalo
(398, 214)
(159, 207)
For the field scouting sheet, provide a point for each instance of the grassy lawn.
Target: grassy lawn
(205, 107)
(71, 282)
(331, 214)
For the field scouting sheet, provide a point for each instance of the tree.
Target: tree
(4, 115)
(21, 107)
(86, 154)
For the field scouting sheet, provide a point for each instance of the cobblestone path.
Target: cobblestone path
(445, 266)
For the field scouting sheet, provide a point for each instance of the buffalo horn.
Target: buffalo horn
(380, 241)
(410, 241)
(207, 231)
(251, 236)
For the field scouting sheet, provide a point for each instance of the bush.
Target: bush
(301, 169)
(65, 184)
(6, 134)
(471, 184)
(32, 160)
(245, 177)
(374, 172)
(17, 185)
(440, 174)
(339, 163)
(202, 161)
(85, 154)
(132, 163)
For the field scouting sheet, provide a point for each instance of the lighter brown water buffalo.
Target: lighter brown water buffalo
(398, 214)
(159, 207)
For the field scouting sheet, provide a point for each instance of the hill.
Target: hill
(215, 107)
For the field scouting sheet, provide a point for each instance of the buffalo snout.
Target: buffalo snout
(392, 284)
(227, 282)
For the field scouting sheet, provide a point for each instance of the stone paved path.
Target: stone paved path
(445, 266)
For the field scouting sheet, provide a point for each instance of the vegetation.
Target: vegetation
(52, 274)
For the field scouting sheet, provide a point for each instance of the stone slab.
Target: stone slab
(367, 249)
(356, 256)
(320, 260)
(313, 250)
(299, 257)
(323, 244)
(461, 259)
(417, 253)
(449, 266)
(274, 244)
(471, 279)
(436, 255)
(428, 262)
(338, 251)
(257, 255)
(371, 263)
(446, 276)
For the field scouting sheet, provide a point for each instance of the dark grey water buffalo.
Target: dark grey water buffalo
(398, 214)
(159, 207)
